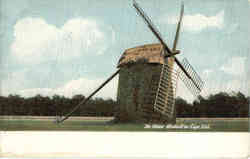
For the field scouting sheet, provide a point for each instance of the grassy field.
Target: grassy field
(102, 124)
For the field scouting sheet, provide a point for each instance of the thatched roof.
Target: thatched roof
(151, 53)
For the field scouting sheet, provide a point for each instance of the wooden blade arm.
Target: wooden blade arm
(178, 28)
(151, 26)
(87, 99)
(186, 73)
(157, 34)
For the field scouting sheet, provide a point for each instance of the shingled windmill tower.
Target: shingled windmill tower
(140, 73)
(147, 80)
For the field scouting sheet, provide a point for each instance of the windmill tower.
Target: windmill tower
(147, 80)
(141, 70)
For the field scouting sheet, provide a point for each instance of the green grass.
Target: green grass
(14, 125)
(97, 125)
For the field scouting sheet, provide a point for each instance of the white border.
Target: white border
(124, 144)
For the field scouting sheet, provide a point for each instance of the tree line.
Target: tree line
(216, 105)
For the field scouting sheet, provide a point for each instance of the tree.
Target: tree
(221, 104)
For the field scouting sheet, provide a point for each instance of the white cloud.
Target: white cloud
(234, 66)
(206, 73)
(36, 40)
(213, 86)
(183, 92)
(35, 91)
(214, 82)
(198, 22)
(216, 86)
(232, 28)
(82, 86)
(13, 81)
(86, 86)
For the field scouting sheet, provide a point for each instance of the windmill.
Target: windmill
(149, 95)
(164, 101)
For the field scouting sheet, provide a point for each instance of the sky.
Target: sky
(70, 47)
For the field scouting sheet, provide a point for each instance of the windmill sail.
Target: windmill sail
(165, 95)
(178, 28)
(164, 102)
(158, 36)
(191, 85)
(151, 25)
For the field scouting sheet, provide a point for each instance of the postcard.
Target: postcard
(114, 68)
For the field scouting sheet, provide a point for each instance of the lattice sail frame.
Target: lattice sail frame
(196, 88)
(166, 92)
(167, 87)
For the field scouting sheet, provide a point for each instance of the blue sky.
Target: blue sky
(70, 47)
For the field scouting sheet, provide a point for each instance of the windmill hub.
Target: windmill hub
(173, 53)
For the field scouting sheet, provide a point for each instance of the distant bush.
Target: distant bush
(217, 105)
